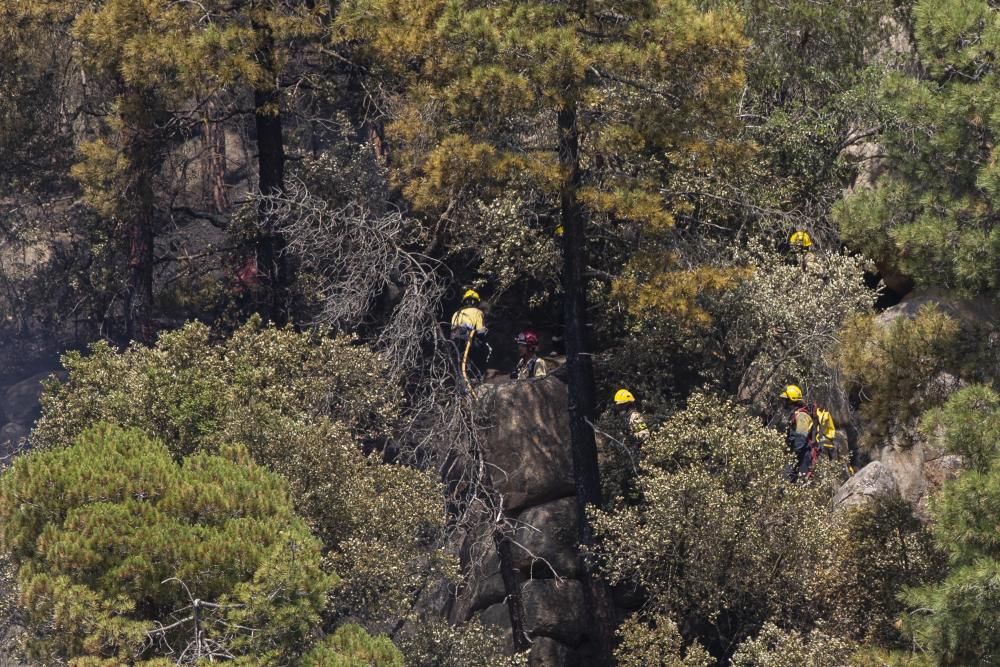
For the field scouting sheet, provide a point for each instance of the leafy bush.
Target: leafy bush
(775, 647)
(435, 643)
(299, 404)
(893, 369)
(114, 542)
(720, 541)
(657, 643)
(351, 646)
(879, 550)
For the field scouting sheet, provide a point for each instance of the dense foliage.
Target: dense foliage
(721, 544)
(300, 405)
(621, 176)
(116, 543)
(936, 221)
(951, 620)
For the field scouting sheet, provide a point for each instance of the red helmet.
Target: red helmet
(527, 337)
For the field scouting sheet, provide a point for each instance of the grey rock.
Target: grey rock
(12, 439)
(546, 537)
(528, 446)
(555, 609)
(907, 468)
(547, 652)
(552, 608)
(21, 400)
(871, 482)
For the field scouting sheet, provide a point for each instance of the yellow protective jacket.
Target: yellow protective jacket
(470, 318)
(637, 425)
(826, 431)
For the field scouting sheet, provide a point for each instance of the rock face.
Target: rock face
(530, 449)
(865, 486)
(19, 408)
(529, 442)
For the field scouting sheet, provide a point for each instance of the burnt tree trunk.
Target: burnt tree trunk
(269, 245)
(580, 373)
(142, 152)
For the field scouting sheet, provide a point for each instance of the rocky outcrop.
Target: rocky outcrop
(528, 445)
(872, 482)
(19, 408)
(528, 450)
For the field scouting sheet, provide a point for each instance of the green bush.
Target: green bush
(774, 647)
(657, 644)
(891, 368)
(299, 404)
(114, 540)
(720, 541)
(351, 646)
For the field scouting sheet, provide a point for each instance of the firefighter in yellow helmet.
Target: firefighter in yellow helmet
(810, 430)
(800, 433)
(801, 245)
(625, 404)
(468, 333)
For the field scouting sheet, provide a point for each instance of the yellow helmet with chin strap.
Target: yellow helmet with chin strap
(792, 393)
(623, 396)
(800, 239)
(470, 294)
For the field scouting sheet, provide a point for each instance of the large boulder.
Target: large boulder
(552, 608)
(21, 402)
(907, 468)
(982, 310)
(546, 539)
(528, 446)
(865, 486)
(548, 652)
(12, 439)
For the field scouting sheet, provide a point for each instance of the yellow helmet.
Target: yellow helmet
(623, 396)
(470, 294)
(792, 393)
(560, 230)
(800, 239)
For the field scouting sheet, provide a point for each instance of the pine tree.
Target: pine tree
(150, 70)
(594, 104)
(932, 214)
(125, 556)
(954, 620)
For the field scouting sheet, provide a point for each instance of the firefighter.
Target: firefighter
(800, 433)
(529, 364)
(625, 403)
(468, 333)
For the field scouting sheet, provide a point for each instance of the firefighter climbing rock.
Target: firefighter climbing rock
(468, 333)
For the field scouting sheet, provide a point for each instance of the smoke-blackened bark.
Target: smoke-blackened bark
(142, 152)
(581, 377)
(269, 244)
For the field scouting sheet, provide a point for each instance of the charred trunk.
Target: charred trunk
(581, 378)
(269, 244)
(141, 147)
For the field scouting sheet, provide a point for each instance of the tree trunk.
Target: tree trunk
(512, 587)
(213, 162)
(141, 148)
(269, 245)
(581, 379)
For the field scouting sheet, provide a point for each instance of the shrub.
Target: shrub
(114, 541)
(775, 647)
(720, 542)
(299, 404)
(351, 646)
